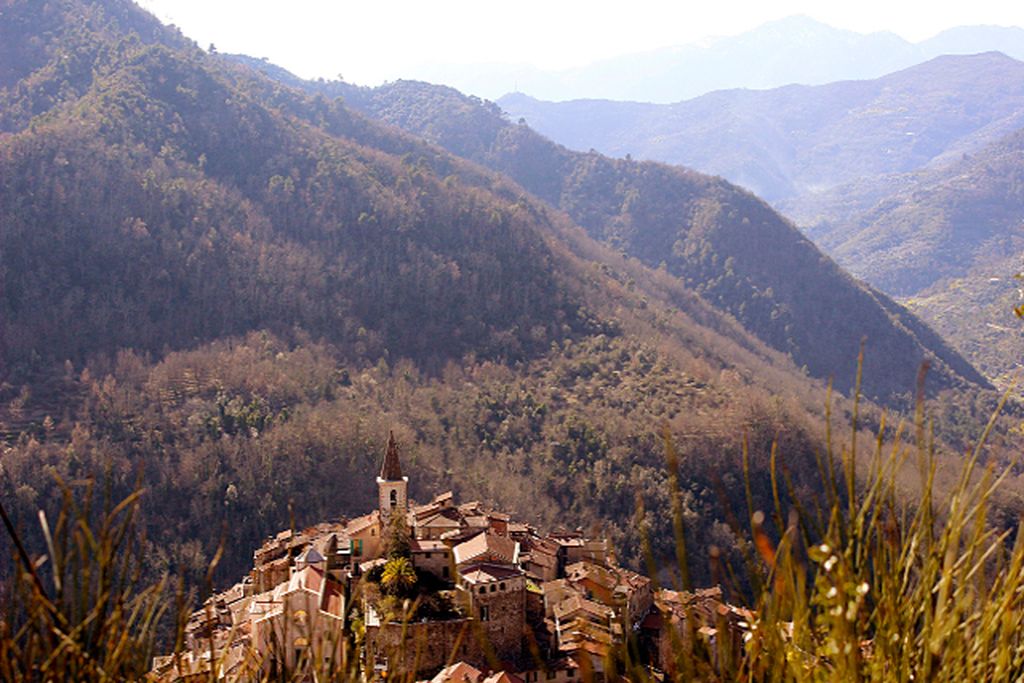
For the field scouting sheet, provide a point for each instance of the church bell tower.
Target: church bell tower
(392, 487)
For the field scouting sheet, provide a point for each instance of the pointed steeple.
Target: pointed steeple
(391, 469)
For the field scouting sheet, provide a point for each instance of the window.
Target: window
(483, 589)
(485, 613)
(571, 673)
(493, 588)
(394, 498)
(444, 572)
(502, 585)
(426, 556)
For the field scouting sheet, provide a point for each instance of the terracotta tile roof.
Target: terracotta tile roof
(489, 546)
(600, 650)
(425, 510)
(422, 545)
(472, 507)
(546, 545)
(457, 536)
(444, 517)
(518, 528)
(391, 469)
(460, 672)
(360, 523)
(581, 571)
(502, 677)
(576, 604)
(543, 559)
(555, 592)
(480, 521)
(633, 579)
(486, 572)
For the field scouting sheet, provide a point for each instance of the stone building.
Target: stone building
(302, 619)
(494, 593)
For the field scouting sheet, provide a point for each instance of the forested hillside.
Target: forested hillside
(165, 206)
(226, 292)
(911, 181)
(723, 242)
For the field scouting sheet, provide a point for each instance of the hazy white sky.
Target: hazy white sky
(370, 41)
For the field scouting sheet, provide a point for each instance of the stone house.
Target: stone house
(432, 556)
(667, 633)
(495, 595)
(364, 534)
(301, 619)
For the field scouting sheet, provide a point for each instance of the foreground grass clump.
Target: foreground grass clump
(875, 582)
(79, 611)
(871, 578)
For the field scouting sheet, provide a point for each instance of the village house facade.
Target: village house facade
(505, 601)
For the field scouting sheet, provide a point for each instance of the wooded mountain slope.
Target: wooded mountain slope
(725, 243)
(792, 142)
(165, 206)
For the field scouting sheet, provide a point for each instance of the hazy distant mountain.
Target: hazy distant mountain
(950, 241)
(965, 40)
(938, 224)
(792, 50)
(796, 141)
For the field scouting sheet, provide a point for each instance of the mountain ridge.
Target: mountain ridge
(795, 49)
(638, 208)
(793, 142)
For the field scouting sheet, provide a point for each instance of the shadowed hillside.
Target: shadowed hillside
(950, 241)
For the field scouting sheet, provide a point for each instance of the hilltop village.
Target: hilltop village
(446, 592)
